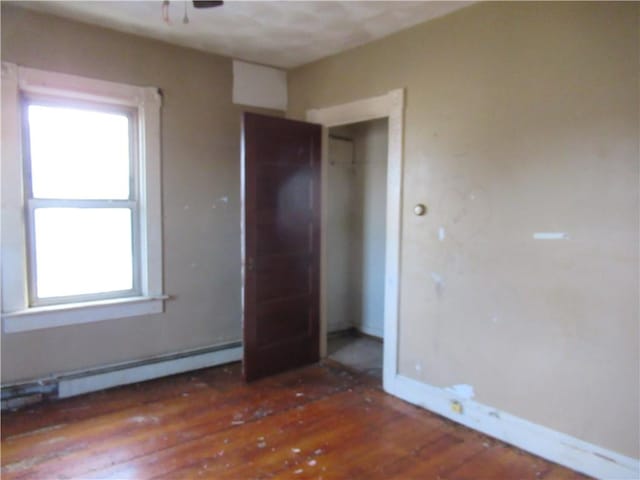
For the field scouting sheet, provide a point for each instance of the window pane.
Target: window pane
(78, 153)
(82, 250)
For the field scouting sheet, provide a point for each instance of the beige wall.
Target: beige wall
(520, 118)
(200, 170)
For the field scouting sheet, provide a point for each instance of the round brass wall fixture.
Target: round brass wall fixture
(420, 209)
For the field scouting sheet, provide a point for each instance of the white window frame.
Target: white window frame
(17, 313)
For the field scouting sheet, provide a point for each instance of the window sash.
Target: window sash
(31, 204)
(146, 102)
(63, 102)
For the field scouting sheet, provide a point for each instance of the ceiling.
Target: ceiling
(278, 33)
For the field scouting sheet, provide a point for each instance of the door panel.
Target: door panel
(284, 237)
(279, 282)
(281, 210)
(284, 185)
(281, 321)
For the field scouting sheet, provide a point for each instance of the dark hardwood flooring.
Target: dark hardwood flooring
(321, 422)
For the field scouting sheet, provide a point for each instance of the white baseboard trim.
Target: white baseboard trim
(542, 441)
(100, 379)
(339, 327)
(373, 331)
(367, 329)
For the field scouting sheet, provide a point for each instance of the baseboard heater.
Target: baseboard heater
(76, 383)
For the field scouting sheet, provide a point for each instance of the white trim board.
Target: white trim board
(75, 313)
(72, 385)
(340, 327)
(259, 86)
(390, 106)
(542, 441)
(373, 331)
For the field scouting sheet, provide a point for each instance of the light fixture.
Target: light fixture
(196, 3)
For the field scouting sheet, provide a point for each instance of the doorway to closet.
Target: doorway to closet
(355, 241)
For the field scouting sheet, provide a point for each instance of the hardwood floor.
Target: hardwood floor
(317, 422)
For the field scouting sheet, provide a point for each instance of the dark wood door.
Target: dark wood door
(281, 254)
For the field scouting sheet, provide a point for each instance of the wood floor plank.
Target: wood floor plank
(288, 448)
(500, 462)
(87, 406)
(322, 421)
(431, 459)
(558, 472)
(158, 425)
(267, 435)
(305, 431)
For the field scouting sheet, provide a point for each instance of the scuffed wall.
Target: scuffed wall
(521, 119)
(200, 172)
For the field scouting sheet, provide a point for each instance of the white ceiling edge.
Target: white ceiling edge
(283, 34)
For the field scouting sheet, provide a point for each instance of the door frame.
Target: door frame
(390, 106)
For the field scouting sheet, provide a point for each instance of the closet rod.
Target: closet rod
(338, 137)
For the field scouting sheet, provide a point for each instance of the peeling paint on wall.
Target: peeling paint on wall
(438, 282)
(462, 390)
(551, 236)
(224, 200)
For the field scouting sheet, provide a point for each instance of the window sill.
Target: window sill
(38, 318)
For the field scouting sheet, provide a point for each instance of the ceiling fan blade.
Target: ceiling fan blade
(206, 3)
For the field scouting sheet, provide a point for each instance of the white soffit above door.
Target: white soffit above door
(259, 86)
(278, 33)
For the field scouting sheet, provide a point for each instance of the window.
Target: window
(81, 233)
(81, 201)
